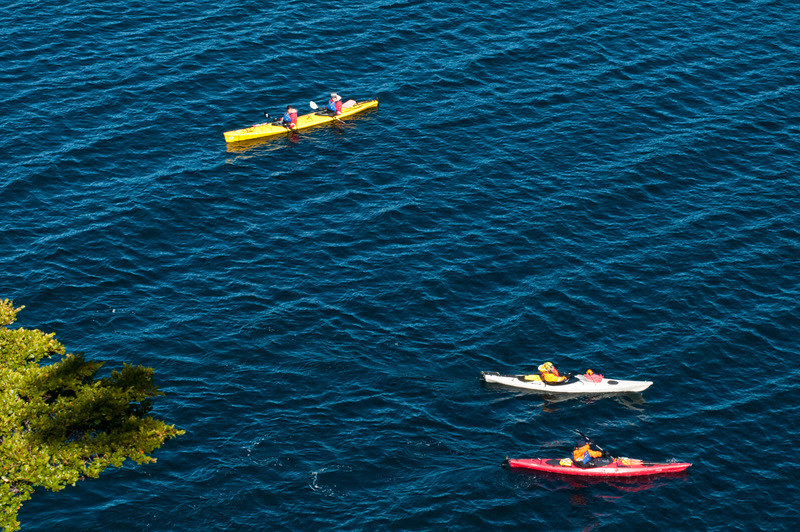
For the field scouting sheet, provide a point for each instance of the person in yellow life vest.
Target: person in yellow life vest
(588, 454)
(550, 374)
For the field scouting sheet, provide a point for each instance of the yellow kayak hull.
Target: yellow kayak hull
(268, 129)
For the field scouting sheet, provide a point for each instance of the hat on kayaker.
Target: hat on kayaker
(546, 366)
(335, 96)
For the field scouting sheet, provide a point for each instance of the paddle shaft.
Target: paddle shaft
(591, 441)
(314, 106)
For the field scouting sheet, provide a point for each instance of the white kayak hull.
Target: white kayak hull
(577, 384)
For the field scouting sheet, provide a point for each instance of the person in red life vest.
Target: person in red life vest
(334, 107)
(289, 119)
(589, 454)
(550, 374)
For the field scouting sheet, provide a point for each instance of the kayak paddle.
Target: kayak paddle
(275, 121)
(592, 442)
(314, 106)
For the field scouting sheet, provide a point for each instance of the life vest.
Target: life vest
(290, 118)
(552, 376)
(335, 106)
(585, 454)
(550, 373)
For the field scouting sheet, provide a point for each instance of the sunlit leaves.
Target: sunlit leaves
(60, 422)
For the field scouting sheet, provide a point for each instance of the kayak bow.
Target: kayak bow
(268, 129)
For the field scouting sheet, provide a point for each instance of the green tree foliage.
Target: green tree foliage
(60, 422)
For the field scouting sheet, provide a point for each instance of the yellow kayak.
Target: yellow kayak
(268, 129)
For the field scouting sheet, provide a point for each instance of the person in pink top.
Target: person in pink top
(289, 119)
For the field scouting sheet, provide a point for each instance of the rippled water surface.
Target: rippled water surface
(607, 184)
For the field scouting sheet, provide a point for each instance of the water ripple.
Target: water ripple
(604, 186)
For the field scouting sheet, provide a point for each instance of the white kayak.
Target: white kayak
(575, 384)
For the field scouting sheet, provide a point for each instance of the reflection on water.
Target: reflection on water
(583, 486)
(626, 484)
(262, 146)
(588, 497)
(630, 400)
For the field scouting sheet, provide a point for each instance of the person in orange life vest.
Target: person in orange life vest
(550, 374)
(289, 119)
(334, 106)
(588, 454)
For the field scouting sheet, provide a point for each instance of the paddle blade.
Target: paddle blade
(313, 105)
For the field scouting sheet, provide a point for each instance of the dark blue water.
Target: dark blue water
(610, 185)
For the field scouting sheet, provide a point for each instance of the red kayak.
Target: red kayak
(619, 467)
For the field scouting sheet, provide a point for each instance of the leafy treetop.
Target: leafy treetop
(60, 422)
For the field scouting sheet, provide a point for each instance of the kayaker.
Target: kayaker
(588, 454)
(550, 374)
(334, 107)
(289, 119)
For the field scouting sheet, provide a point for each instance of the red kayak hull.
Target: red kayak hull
(621, 467)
